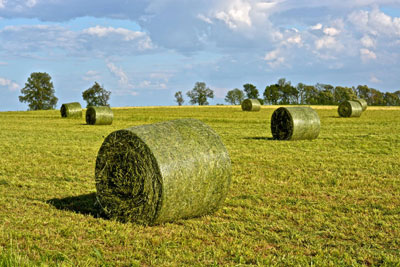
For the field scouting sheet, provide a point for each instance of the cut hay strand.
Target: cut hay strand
(71, 110)
(350, 109)
(102, 115)
(251, 105)
(162, 172)
(363, 103)
(295, 123)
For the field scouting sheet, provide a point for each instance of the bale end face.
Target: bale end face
(128, 179)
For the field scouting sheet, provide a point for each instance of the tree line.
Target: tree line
(39, 93)
(284, 93)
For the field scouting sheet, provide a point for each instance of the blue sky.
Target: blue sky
(143, 51)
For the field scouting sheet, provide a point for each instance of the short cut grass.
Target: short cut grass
(295, 123)
(251, 105)
(102, 115)
(162, 172)
(350, 109)
(71, 110)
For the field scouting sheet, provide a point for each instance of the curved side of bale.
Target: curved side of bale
(251, 105)
(71, 110)
(162, 172)
(350, 109)
(102, 115)
(295, 123)
(363, 103)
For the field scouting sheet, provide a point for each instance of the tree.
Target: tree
(235, 96)
(96, 96)
(343, 93)
(391, 99)
(271, 94)
(325, 94)
(200, 93)
(287, 93)
(39, 92)
(179, 98)
(251, 91)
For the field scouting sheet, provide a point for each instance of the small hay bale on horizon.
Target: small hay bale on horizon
(71, 110)
(295, 123)
(102, 115)
(251, 105)
(350, 108)
(162, 172)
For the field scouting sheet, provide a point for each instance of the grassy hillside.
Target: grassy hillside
(331, 201)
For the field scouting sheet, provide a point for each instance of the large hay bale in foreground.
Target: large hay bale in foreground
(71, 110)
(251, 105)
(363, 103)
(162, 172)
(102, 115)
(295, 123)
(350, 109)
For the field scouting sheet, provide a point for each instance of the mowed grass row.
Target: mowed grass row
(334, 200)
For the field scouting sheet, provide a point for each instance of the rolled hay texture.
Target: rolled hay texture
(350, 109)
(251, 105)
(71, 110)
(102, 115)
(363, 103)
(162, 172)
(295, 123)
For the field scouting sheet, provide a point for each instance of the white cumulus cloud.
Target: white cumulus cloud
(123, 79)
(12, 86)
(367, 54)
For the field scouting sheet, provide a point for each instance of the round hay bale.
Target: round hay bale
(251, 105)
(363, 103)
(295, 123)
(102, 115)
(162, 172)
(71, 110)
(350, 109)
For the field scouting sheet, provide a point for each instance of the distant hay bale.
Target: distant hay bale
(363, 103)
(251, 105)
(350, 109)
(102, 115)
(71, 110)
(295, 123)
(162, 172)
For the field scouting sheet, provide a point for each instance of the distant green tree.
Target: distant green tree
(364, 92)
(287, 93)
(200, 93)
(39, 92)
(234, 97)
(310, 95)
(96, 96)
(377, 98)
(179, 98)
(325, 94)
(391, 99)
(343, 93)
(271, 94)
(251, 91)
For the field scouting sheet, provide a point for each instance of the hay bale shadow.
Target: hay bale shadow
(259, 138)
(84, 204)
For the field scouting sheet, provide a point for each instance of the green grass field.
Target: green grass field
(331, 201)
